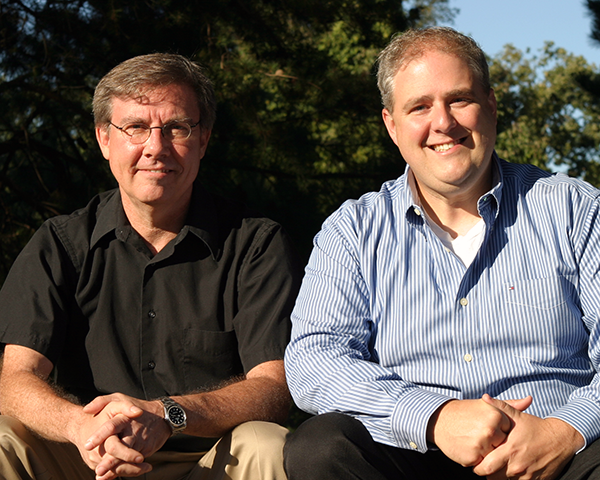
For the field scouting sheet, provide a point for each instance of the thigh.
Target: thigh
(585, 465)
(251, 450)
(25, 456)
(338, 446)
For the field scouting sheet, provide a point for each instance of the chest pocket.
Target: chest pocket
(210, 357)
(545, 314)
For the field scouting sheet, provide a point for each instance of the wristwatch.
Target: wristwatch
(174, 415)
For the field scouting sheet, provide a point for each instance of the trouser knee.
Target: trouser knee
(263, 436)
(13, 434)
(323, 441)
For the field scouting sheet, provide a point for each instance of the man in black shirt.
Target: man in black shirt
(147, 325)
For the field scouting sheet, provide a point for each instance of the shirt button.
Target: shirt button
(464, 302)
(417, 211)
(468, 358)
(151, 365)
(152, 314)
(413, 445)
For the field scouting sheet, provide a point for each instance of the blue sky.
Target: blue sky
(527, 24)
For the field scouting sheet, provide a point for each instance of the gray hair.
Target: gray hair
(414, 43)
(130, 79)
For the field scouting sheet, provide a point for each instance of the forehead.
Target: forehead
(433, 73)
(433, 68)
(177, 101)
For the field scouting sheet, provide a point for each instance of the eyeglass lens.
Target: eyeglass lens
(139, 133)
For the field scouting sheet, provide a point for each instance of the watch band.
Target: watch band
(174, 415)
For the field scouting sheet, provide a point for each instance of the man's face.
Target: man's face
(444, 124)
(158, 172)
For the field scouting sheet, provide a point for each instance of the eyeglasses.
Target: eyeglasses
(138, 133)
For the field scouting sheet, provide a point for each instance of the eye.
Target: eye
(178, 130)
(134, 129)
(461, 100)
(418, 108)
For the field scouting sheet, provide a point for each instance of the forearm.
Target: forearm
(37, 405)
(212, 414)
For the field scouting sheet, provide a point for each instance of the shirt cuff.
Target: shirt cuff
(583, 415)
(411, 418)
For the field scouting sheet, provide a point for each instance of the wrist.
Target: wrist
(174, 415)
(434, 422)
(569, 435)
(76, 420)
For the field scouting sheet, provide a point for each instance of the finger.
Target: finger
(106, 430)
(493, 466)
(500, 405)
(521, 404)
(507, 411)
(110, 463)
(98, 403)
(116, 448)
(125, 470)
(106, 467)
(116, 405)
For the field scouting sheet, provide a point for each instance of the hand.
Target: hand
(145, 433)
(535, 448)
(468, 430)
(93, 456)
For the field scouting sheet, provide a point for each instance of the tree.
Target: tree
(546, 115)
(298, 126)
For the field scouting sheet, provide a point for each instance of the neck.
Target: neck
(455, 214)
(456, 220)
(157, 226)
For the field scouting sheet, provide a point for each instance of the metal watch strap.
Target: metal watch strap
(168, 405)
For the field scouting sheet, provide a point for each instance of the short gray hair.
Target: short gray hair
(133, 77)
(414, 43)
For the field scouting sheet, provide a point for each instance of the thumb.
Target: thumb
(117, 405)
(521, 404)
(511, 408)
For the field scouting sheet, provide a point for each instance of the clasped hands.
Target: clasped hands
(121, 432)
(500, 441)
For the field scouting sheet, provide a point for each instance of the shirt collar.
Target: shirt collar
(202, 219)
(413, 204)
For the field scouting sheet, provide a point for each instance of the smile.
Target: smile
(444, 147)
(157, 170)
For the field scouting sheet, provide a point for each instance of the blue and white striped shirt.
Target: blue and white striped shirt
(389, 324)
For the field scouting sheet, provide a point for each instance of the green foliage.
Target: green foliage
(546, 116)
(298, 128)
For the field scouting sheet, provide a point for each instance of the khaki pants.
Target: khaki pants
(252, 451)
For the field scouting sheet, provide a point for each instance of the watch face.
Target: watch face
(177, 415)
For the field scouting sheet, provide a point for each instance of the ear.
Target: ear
(103, 139)
(493, 103)
(204, 138)
(390, 124)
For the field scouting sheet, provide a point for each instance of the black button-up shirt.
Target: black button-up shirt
(87, 293)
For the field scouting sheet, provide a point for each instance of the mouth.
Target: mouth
(155, 170)
(444, 147)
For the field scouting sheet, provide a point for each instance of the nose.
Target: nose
(443, 119)
(156, 142)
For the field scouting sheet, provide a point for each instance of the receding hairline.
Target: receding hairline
(414, 44)
(136, 77)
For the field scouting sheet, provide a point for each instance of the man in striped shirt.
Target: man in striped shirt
(447, 325)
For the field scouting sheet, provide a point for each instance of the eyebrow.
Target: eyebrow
(127, 120)
(460, 92)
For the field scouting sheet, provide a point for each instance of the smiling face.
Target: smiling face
(157, 173)
(444, 124)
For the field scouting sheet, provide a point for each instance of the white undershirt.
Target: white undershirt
(465, 247)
